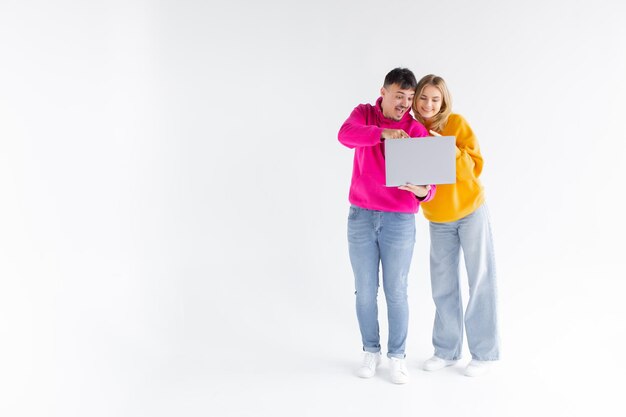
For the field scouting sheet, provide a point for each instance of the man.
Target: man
(381, 222)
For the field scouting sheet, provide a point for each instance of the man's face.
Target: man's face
(396, 101)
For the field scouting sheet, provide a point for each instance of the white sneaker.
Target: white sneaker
(399, 373)
(477, 368)
(369, 364)
(436, 363)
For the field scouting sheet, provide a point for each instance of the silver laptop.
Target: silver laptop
(420, 161)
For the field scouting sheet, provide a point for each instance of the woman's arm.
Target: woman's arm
(469, 161)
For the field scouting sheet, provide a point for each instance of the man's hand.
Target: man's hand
(394, 134)
(420, 191)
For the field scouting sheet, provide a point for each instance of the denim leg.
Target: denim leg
(396, 241)
(445, 250)
(481, 322)
(365, 260)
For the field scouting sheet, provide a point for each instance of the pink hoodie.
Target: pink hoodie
(362, 132)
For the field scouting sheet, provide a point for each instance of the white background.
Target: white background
(173, 204)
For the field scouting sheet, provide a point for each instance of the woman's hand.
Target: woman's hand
(420, 191)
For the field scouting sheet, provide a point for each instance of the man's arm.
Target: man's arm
(418, 130)
(356, 132)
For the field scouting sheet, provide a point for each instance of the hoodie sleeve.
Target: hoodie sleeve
(430, 195)
(356, 132)
(417, 130)
(469, 161)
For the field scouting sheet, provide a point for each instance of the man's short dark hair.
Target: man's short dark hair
(404, 77)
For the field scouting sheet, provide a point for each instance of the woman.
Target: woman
(459, 220)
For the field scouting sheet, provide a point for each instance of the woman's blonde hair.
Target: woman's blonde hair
(438, 121)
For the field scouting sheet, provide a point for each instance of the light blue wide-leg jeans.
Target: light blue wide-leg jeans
(472, 235)
(381, 238)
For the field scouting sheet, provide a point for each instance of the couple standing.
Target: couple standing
(381, 230)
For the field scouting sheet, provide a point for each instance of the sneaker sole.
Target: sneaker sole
(426, 368)
(400, 381)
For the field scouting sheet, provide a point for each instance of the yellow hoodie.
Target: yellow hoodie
(455, 201)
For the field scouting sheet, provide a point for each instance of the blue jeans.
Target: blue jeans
(472, 235)
(381, 238)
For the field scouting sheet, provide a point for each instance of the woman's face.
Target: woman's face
(428, 103)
